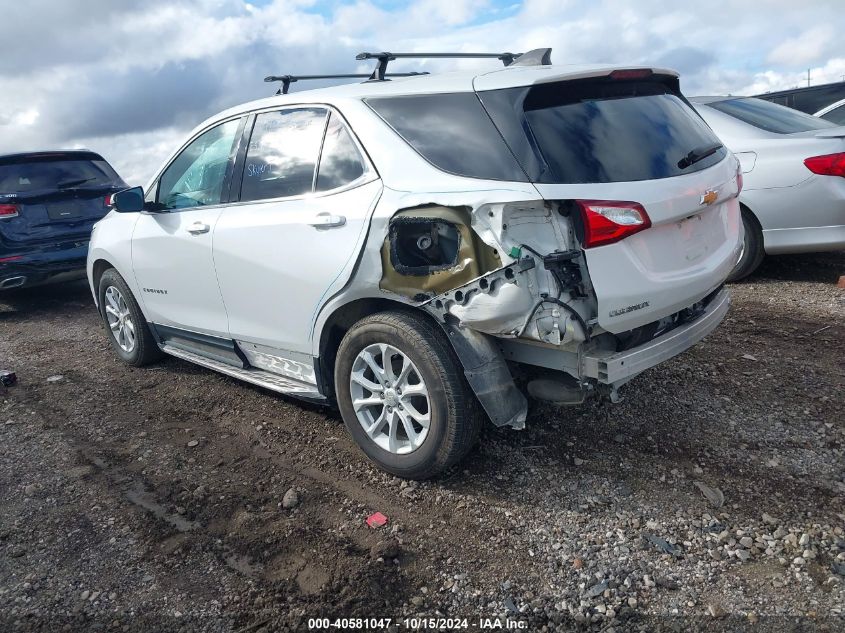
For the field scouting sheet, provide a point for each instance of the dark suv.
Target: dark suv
(48, 203)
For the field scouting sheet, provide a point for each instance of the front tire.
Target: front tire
(403, 396)
(128, 332)
(753, 252)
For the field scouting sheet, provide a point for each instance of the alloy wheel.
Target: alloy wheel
(390, 398)
(119, 319)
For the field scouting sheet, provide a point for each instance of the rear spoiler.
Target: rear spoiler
(834, 132)
(505, 78)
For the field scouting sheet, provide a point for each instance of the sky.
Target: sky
(131, 78)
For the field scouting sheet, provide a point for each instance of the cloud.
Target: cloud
(686, 59)
(131, 78)
(810, 46)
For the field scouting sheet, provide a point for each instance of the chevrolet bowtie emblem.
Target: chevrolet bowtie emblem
(709, 197)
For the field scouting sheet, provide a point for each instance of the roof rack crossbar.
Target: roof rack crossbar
(383, 58)
(287, 80)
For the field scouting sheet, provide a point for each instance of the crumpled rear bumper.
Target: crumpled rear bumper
(616, 368)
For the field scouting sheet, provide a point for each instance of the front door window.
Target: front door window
(197, 175)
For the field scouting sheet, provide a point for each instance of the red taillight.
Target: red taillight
(634, 73)
(13, 258)
(827, 165)
(606, 222)
(108, 201)
(8, 210)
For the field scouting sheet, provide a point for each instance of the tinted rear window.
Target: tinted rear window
(600, 131)
(836, 116)
(26, 176)
(770, 116)
(452, 132)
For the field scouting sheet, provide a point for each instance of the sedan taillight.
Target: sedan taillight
(8, 211)
(606, 221)
(827, 165)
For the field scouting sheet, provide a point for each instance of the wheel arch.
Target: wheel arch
(99, 266)
(746, 209)
(484, 366)
(342, 318)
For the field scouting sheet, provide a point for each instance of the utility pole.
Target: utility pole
(808, 77)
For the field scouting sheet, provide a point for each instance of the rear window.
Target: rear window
(770, 117)
(452, 132)
(836, 116)
(50, 173)
(599, 131)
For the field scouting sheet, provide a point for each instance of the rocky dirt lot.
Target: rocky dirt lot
(174, 498)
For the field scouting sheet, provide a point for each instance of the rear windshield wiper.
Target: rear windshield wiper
(699, 153)
(74, 183)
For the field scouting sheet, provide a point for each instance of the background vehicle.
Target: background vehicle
(809, 99)
(390, 245)
(793, 195)
(835, 113)
(48, 203)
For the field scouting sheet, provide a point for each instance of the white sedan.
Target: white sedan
(793, 164)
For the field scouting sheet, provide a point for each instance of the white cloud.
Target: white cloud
(810, 46)
(767, 81)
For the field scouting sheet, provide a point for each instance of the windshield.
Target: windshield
(55, 173)
(598, 131)
(770, 116)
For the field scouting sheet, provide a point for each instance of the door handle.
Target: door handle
(326, 220)
(198, 228)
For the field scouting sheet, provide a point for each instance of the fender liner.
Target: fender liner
(487, 373)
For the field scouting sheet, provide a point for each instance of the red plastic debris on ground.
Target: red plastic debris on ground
(376, 520)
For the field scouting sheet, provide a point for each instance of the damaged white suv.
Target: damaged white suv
(399, 247)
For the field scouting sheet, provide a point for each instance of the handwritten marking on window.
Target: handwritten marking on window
(253, 170)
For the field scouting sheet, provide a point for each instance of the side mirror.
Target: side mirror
(128, 200)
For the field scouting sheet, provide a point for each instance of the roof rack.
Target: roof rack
(287, 80)
(536, 57)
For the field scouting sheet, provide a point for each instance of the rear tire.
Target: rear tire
(377, 351)
(753, 252)
(127, 329)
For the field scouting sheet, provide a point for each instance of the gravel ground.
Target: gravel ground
(174, 498)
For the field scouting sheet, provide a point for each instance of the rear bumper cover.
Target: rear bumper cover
(615, 368)
(46, 265)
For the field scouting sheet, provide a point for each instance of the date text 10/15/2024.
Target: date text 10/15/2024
(416, 624)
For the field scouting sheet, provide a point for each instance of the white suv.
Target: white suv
(399, 247)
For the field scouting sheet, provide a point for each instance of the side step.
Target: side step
(274, 382)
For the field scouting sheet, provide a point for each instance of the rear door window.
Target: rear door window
(770, 117)
(282, 155)
(340, 161)
(598, 131)
(452, 132)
